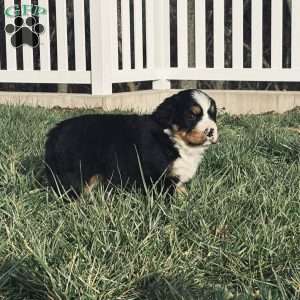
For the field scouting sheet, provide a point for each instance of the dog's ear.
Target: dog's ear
(213, 109)
(165, 112)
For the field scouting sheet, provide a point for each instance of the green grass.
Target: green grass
(236, 235)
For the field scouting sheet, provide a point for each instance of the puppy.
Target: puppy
(166, 146)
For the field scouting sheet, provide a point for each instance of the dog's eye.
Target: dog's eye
(191, 117)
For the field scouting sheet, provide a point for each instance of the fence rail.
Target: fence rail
(133, 41)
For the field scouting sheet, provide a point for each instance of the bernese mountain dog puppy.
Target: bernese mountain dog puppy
(133, 150)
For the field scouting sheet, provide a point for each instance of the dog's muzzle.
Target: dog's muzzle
(210, 129)
(212, 135)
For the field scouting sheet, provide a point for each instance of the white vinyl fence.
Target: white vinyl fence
(124, 51)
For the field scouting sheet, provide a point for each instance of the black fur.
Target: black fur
(116, 147)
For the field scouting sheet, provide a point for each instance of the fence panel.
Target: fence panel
(108, 42)
(27, 74)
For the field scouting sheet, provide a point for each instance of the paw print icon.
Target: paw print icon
(25, 33)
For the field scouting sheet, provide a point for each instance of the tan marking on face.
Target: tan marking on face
(196, 110)
(194, 137)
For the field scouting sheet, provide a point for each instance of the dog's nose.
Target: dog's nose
(209, 132)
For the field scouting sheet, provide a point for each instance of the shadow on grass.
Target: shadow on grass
(18, 282)
(284, 151)
(158, 287)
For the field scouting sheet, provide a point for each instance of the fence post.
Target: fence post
(162, 43)
(101, 46)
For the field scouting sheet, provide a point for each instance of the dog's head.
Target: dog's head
(189, 115)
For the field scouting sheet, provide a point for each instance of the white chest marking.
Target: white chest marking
(185, 166)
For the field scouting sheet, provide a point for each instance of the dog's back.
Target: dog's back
(114, 147)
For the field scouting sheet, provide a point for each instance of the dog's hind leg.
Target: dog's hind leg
(69, 184)
(91, 182)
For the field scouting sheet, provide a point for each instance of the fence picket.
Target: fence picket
(126, 54)
(79, 28)
(138, 34)
(257, 30)
(162, 43)
(114, 36)
(200, 33)
(237, 34)
(219, 44)
(101, 74)
(62, 37)
(11, 55)
(182, 33)
(45, 58)
(150, 33)
(295, 34)
(27, 49)
(276, 34)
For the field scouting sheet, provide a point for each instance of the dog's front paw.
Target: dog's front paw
(181, 190)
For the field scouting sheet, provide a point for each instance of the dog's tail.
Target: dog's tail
(56, 177)
(51, 163)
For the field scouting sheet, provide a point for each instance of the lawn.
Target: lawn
(236, 236)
